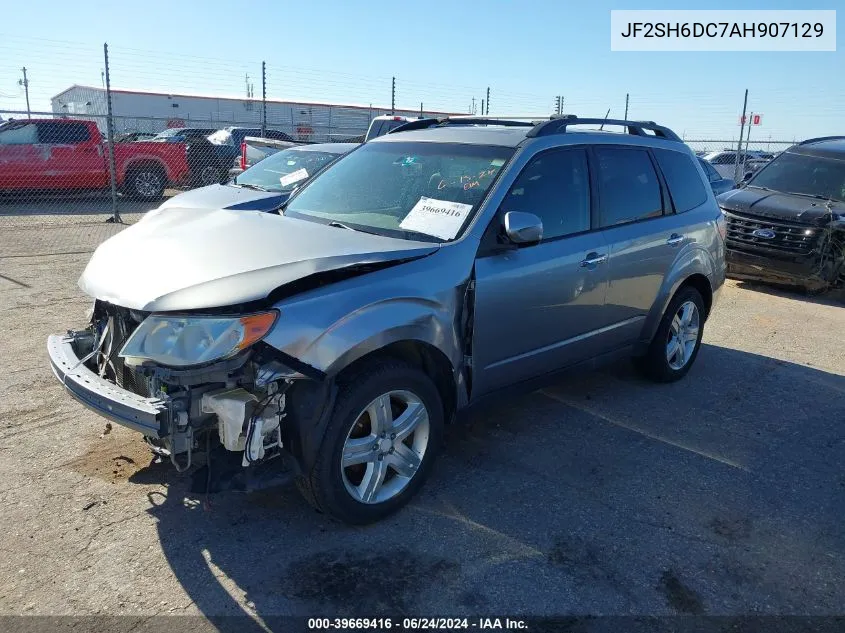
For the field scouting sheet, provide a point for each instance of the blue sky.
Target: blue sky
(442, 54)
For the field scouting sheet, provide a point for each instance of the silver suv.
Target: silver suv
(420, 274)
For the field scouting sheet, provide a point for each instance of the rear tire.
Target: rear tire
(675, 345)
(146, 182)
(355, 454)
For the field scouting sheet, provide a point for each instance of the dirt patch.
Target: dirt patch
(114, 457)
(681, 598)
(731, 529)
(368, 584)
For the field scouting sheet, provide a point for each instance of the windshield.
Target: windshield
(808, 175)
(284, 170)
(221, 137)
(412, 190)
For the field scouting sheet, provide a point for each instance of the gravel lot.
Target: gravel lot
(604, 494)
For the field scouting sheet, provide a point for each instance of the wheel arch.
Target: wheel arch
(695, 270)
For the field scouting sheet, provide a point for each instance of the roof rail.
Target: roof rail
(821, 138)
(557, 124)
(540, 126)
(421, 124)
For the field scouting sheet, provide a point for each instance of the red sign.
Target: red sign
(175, 123)
(754, 119)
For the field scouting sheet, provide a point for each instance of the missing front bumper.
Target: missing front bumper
(149, 416)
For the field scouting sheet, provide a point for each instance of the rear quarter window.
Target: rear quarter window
(61, 133)
(685, 186)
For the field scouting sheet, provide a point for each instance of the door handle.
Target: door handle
(675, 239)
(593, 259)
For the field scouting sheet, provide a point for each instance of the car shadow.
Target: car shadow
(599, 494)
(831, 297)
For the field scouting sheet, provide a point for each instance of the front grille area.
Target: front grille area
(790, 238)
(121, 326)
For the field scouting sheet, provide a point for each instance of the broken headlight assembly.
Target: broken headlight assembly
(185, 341)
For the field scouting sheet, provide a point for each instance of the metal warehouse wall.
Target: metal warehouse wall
(153, 112)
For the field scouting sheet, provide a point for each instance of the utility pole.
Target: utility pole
(482, 107)
(421, 109)
(25, 83)
(488, 100)
(393, 96)
(115, 214)
(472, 108)
(626, 106)
(264, 99)
(741, 131)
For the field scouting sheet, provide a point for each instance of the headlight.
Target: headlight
(181, 341)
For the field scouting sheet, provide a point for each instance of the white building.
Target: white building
(139, 111)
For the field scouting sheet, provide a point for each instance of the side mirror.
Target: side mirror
(523, 228)
(747, 176)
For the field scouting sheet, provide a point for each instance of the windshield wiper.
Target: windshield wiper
(249, 186)
(341, 225)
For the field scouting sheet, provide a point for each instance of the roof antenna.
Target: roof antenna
(607, 114)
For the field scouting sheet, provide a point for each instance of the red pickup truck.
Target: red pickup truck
(69, 154)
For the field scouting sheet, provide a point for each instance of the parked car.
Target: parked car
(718, 184)
(725, 161)
(130, 137)
(383, 124)
(419, 274)
(71, 155)
(229, 142)
(266, 185)
(255, 149)
(209, 162)
(786, 224)
(183, 134)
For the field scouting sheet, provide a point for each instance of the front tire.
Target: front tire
(380, 443)
(675, 345)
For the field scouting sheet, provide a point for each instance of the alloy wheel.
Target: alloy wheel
(385, 447)
(147, 183)
(683, 335)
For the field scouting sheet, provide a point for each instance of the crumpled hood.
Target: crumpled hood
(226, 197)
(779, 206)
(182, 260)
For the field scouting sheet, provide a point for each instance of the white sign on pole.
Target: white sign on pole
(754, 119)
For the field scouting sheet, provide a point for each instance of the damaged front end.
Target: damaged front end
(174, 378)
(809, 254)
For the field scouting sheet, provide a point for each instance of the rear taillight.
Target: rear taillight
(243, 155)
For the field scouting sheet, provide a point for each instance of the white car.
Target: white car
(724, 161)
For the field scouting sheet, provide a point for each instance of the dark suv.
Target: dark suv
(786, 224)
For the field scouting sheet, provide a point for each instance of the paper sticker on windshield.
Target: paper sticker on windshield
(440, 218)
(296, 176)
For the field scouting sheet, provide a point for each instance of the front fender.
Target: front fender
(695, 260)
(380, 324)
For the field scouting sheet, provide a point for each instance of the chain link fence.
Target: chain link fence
(75, 172)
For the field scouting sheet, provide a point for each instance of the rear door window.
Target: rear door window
(685, 186)
(628, 186)
(62, 133)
